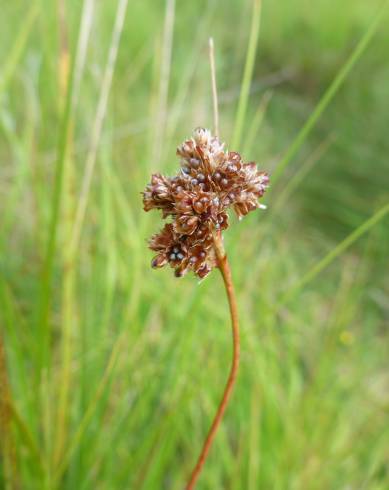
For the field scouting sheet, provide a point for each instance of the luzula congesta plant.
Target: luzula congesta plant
(211, 180)
(195, 201)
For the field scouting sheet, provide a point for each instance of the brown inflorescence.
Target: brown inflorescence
(211, 180)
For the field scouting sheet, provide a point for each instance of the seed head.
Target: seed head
(211, 180)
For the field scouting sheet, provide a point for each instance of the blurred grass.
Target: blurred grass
(114, 369)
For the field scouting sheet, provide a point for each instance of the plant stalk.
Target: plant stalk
(225, 270)
(7, 448)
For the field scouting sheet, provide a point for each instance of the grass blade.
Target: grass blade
(48, 265)
(98, 122)
(328, 95)
(92, 406)
(334, 253)
(17, 50)
(304, 169)
(68, 315)
(166, 55)
(248, 73)
(257, 121)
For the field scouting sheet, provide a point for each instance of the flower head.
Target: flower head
(211, 181)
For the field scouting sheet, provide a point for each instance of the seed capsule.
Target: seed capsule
(158, 261)
(198, 207)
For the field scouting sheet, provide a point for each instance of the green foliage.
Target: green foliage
(115, 370)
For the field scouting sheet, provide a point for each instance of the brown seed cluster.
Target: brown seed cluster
(211, 180)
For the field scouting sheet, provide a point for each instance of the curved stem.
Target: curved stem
(225, 270)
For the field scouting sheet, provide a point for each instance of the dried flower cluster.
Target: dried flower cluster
(211, 180)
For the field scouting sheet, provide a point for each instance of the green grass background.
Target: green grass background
(115, 370)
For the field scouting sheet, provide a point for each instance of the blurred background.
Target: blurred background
(110, 372)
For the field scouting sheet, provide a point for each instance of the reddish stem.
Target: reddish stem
(225, 270)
